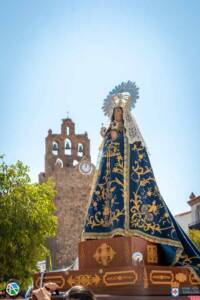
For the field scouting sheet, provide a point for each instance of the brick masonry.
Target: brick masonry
(73, 189)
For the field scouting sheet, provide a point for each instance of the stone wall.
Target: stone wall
(72, 197)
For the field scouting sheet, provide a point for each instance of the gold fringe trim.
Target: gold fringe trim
(132, 233)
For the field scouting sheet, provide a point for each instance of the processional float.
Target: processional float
(132, 247)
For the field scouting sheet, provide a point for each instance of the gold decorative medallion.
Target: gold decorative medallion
(120, 278)
(181, 277)
(85, 280)
(152, 254)
(104, 254)
(58, 279)
(161, 277)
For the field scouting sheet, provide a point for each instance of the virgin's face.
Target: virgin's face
(118, 114)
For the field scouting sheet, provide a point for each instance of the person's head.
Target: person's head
(114, 134)
(80, 293)
(117, 114)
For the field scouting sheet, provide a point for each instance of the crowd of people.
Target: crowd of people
(75, 293)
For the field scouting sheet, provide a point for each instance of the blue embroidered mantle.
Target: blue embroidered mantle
(126, 201)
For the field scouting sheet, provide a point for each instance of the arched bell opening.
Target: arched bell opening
(55, 148)
(80, 150)
(68, 147)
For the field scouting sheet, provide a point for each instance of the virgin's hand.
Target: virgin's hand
(103, 131)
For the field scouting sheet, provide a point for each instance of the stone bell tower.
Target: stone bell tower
(63, 156)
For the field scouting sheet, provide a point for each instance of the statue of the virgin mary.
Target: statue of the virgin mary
(125, 199)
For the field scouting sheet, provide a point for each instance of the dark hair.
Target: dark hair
(112, 118)
(80, 292)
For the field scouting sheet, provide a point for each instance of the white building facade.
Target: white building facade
(190, 219)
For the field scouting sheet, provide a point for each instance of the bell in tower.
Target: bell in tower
(64, 152)
(68, 147)
(80, 150)
(55, 148)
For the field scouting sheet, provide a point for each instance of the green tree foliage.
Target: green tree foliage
(194, 234)
(26, 222)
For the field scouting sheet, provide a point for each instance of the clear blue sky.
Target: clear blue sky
(59, 56)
